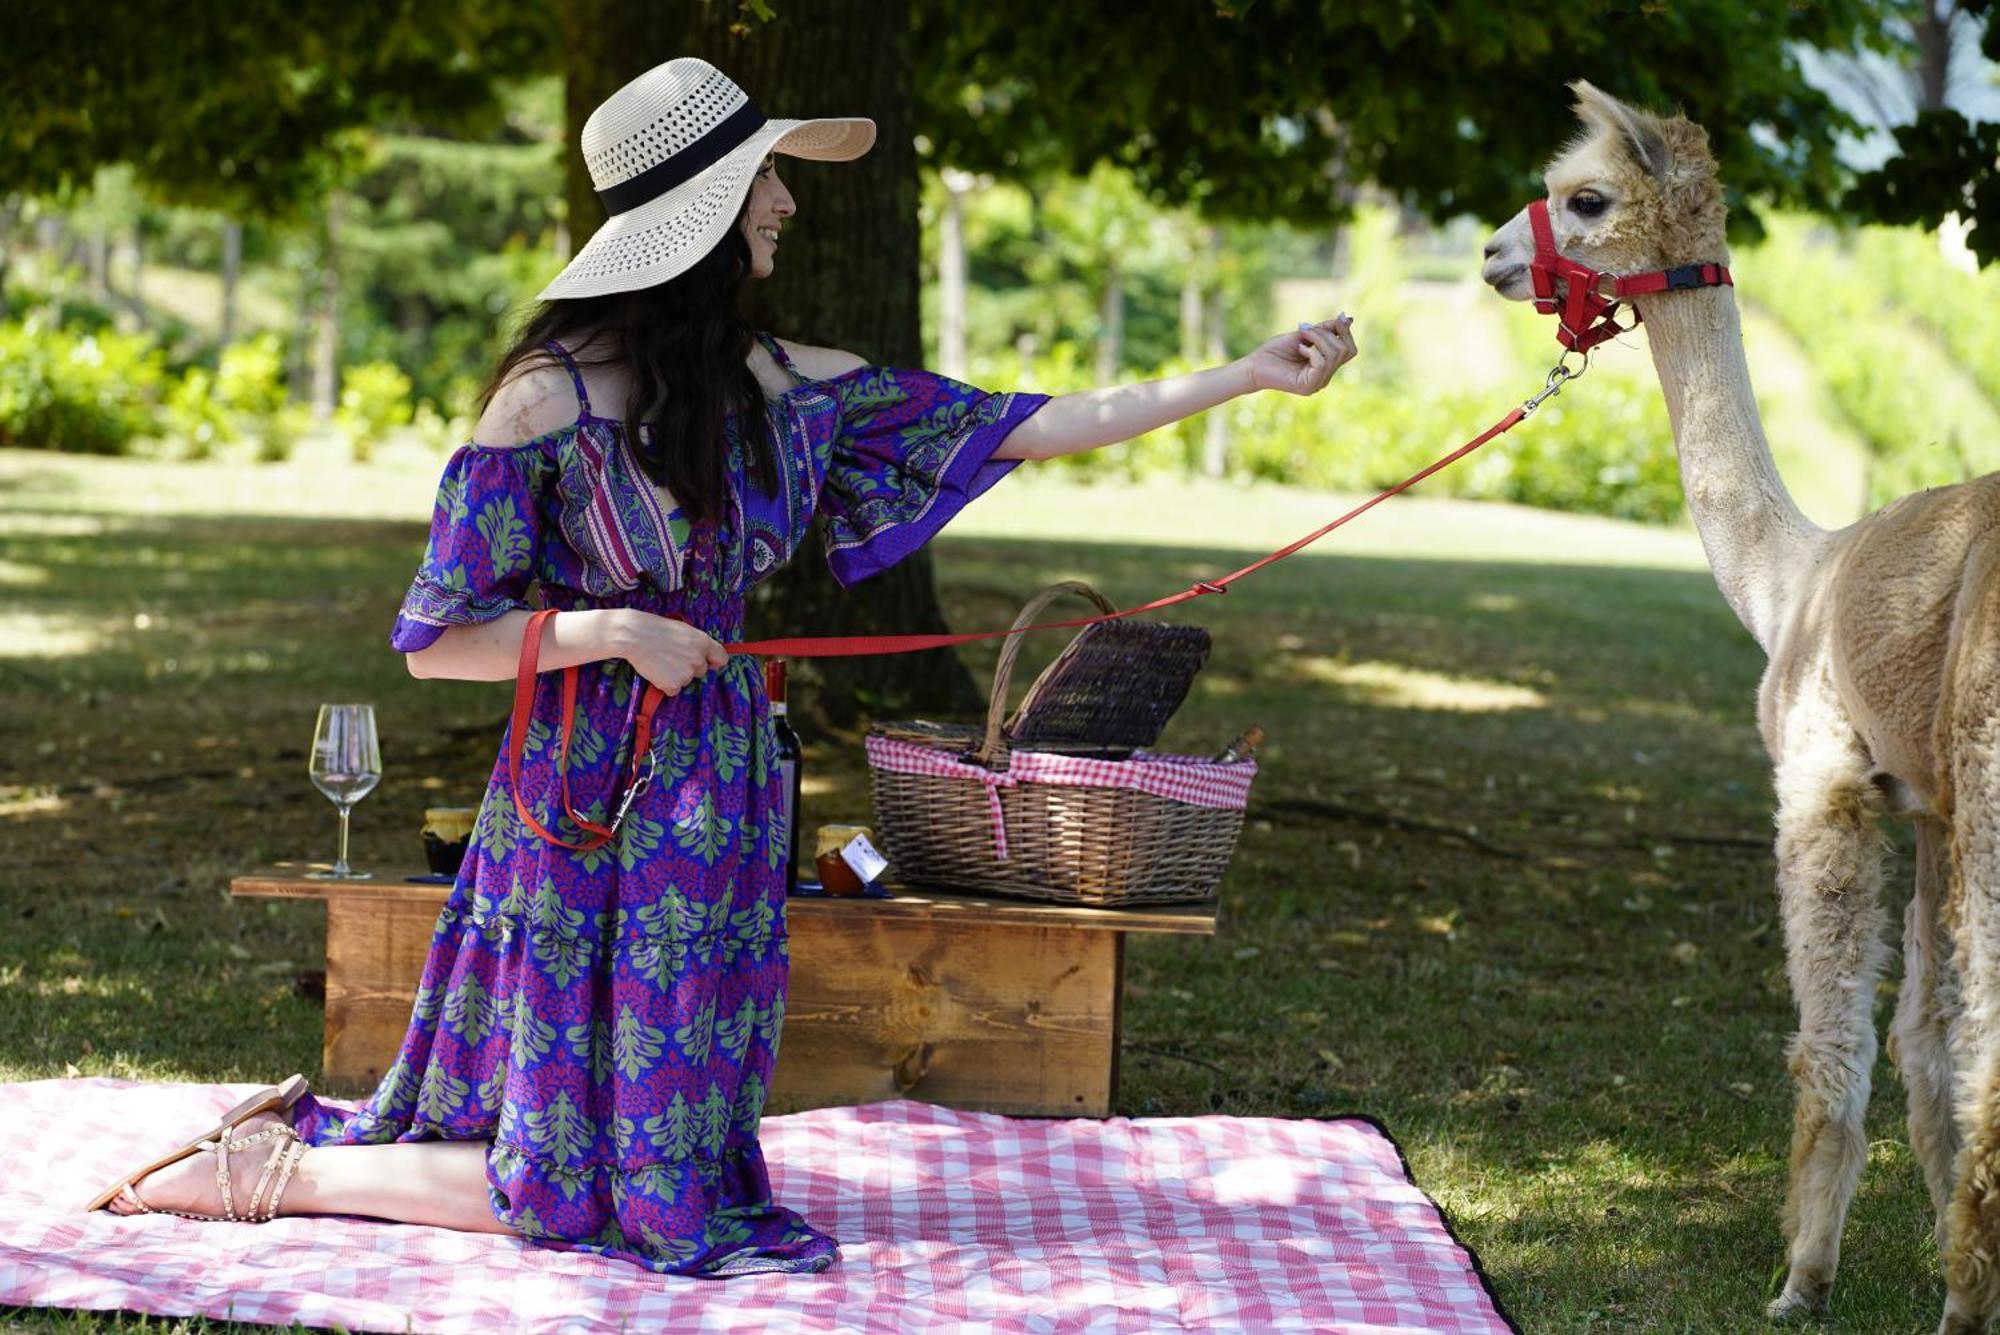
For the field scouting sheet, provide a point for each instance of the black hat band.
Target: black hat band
(723, 138)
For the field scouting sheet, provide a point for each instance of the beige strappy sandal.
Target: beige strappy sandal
(289, 1149)
(276, 1099)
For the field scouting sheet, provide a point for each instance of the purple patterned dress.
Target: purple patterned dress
(610, 1020)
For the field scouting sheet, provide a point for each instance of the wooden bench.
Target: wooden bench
(994, 1004)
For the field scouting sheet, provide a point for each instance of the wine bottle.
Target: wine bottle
(789, 753)
(1241, 748)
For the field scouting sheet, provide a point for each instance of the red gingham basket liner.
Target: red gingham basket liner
(1191, 779)
(949, 1221)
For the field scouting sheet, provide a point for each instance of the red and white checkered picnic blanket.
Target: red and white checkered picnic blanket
(1191, 779)
(959, 1222)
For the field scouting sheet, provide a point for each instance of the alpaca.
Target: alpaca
(1881, 695)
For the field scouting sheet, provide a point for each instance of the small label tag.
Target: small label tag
(861, 855)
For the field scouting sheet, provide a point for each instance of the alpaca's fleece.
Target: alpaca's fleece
(1882, 691)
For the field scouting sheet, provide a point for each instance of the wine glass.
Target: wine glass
(346, 765)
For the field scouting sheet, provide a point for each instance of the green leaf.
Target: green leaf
(637, 1044)
(638, 839)
(712, 1121)
(677, 757)
(560, 1131)
(534, 1038)
(498, 828)
(703, 832)
(771, 1022)
(749, 1111)
(442, 1095)
(673, 1130)
(731, 747)
(506, 536)
(469, 1009)
(695, 1037)
(733, 1032)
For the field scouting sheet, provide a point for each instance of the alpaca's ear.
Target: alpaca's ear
(1641, 133)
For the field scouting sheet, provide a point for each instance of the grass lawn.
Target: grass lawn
(1506, 884)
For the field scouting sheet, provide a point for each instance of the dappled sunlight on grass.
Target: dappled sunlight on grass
(17, 575)
(45, 635)
(32, 800)
(77, 985)
(1399, 687)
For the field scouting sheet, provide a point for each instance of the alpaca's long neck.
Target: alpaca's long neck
(1753, 532)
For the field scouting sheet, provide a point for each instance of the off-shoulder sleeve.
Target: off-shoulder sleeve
(486, 536)
(913, 448)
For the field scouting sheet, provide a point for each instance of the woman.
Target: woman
(595, 1029)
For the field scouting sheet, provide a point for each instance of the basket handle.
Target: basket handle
(1003, 672)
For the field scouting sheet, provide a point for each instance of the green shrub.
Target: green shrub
(442, 432)
(1960, 310)
(81, 393)
(1923, 424)
(374, 399)
(197, 416)
(250, 384)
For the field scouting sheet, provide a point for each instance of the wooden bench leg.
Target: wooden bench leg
(1019, 1020)
(375, 953)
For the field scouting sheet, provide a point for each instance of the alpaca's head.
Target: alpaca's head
(1632, 193)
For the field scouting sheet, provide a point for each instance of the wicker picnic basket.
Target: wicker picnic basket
(1059, 801)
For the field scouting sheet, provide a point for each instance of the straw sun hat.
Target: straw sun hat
(672, 154)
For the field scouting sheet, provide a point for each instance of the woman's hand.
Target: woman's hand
(1301, 362)
(666, 652)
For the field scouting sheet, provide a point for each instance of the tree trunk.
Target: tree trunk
(1932, 28)
(326, 319)
(1190, 314)
(135, 290)
(10, 216)
(1215, 439)
(232, 273)
(847, 279)
(951, 274)
(1110, 322)
(100, 262)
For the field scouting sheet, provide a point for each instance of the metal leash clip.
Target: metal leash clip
(1559, 375)
(639, 785)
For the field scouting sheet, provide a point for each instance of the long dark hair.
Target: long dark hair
(686, 342)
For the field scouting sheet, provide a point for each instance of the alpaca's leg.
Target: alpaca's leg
(1926, 1005)
(1972, 1230)
(1829, 888)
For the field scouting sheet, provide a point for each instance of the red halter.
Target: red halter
(1587, 307)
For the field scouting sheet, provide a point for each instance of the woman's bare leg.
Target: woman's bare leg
(441, 1182)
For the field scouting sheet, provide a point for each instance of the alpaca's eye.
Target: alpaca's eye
(1588, 203)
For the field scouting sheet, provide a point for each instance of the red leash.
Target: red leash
(517, 736)
(1586, 307)
(836, 646)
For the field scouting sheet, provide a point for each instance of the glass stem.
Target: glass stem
(341, 865)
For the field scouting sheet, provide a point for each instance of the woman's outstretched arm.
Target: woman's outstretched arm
(1298, 362)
